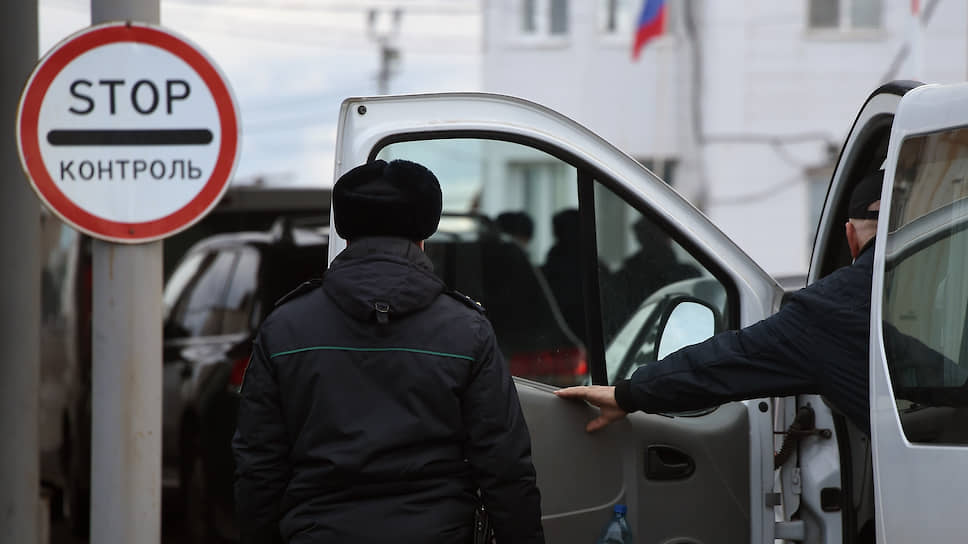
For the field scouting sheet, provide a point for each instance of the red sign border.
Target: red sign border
(43, 184)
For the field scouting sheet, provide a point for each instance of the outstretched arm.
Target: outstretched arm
(758, 361)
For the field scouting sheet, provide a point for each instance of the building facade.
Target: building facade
(742, 106)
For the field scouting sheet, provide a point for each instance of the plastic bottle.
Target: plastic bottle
(617, 531)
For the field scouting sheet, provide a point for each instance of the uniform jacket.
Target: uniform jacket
(375, 405)
(816, 344)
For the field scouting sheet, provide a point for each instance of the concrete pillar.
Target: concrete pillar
(19, 290)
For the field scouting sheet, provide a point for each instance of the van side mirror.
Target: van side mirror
(686, 321)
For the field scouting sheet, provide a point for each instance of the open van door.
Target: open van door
(919, 337)
(587, 294)
(829, 480)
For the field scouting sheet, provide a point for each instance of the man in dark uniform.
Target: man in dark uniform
(562, 270)
(376, 404)
(817, 343)
(518, 225)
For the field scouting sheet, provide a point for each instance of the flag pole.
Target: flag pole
(917, 42)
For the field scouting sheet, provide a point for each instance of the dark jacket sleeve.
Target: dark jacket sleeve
(499, 447)
(766, 359)
(261, 453)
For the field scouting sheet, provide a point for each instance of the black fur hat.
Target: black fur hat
(399, 198)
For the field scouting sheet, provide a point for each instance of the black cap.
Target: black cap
(400, 199)
(867, 192)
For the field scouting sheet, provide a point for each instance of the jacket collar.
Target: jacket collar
(399, 248)
(382, 278)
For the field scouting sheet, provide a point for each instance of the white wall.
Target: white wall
(764, 75)
(587, 76)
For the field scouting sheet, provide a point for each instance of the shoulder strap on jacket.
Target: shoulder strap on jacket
(303, 288)
(466, 300)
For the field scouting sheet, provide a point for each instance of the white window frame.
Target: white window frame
(541, 35)
(845, 26)
(539, 196)
(659, 164)
(602, 13)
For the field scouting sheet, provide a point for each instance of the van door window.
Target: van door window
(508, 239)
(925, 299)
(648, 271)
(511, 237)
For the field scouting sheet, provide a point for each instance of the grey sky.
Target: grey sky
(291, 62)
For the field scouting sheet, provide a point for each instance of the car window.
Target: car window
(524, 271)
(286, 268)
(179, 279)
(644, 259)
(200, 305)
(635, 340)
(925, 298)
(240, 299)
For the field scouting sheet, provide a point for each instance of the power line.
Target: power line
(764, 194)
(341, 40)
(435, 7)
(468, 7)
(300, 121)
(308, 31)
(772, 139)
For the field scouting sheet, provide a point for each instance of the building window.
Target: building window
(665, 168)
(616, 17)
(844, 15)
(559, 17)
(529, 16)
(543, 17)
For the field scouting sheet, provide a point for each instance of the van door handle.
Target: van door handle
(668, 463)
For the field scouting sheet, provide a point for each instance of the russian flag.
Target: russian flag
(651, 24)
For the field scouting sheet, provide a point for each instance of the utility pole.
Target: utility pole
(917, 42)
(385, 36)
(19, 291)
(126, 367)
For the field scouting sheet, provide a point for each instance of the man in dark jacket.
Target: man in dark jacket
(376, 403)
(562, 270)
(817, 343)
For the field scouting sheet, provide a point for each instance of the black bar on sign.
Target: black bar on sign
(130, 137)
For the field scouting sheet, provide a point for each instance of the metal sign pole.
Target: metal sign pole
(19, 292)
(127, 373)
(126, 393)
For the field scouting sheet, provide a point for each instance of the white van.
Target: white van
(709, 476)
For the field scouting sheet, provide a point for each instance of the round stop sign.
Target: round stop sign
(128, 132)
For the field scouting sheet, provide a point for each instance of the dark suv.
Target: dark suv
(65, 403)
(215, 299)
